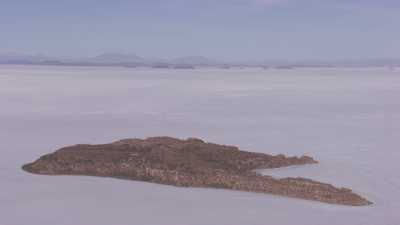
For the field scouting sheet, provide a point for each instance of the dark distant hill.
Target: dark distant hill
(117, 58)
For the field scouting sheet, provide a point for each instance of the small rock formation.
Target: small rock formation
(189, 163)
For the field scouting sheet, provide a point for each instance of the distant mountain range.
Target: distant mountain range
(132, 60)
(107, 59)
(14, 57)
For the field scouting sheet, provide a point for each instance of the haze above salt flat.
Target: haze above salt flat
(348, 119)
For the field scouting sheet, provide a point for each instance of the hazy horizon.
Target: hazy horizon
(121, 57)
(229, 30)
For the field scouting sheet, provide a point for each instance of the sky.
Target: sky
(219, 29)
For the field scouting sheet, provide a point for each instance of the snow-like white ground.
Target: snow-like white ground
(348, 119)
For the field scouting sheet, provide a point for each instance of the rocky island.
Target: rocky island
(190, 163)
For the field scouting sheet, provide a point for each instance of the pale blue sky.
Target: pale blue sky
(220, 29)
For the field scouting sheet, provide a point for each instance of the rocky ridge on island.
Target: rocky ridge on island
(190, 163)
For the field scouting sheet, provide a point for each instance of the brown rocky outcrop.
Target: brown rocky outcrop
(189, 163)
